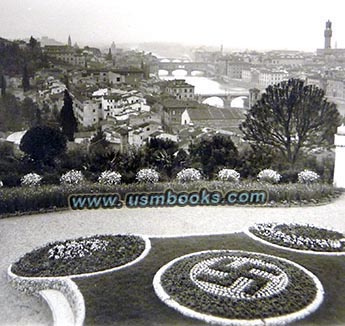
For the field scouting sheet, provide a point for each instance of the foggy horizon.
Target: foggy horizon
(252, 25)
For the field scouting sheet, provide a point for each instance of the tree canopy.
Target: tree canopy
(160, 153)
(214, 153)
(291, 116)
(43, 143)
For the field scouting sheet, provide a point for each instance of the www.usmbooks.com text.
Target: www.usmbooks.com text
(169, 198)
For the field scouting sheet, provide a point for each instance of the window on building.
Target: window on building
(118, 79)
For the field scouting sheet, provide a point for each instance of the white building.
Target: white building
(180, 89)
(339, 171)
(270, 77)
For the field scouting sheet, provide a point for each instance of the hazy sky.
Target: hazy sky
(252, 24)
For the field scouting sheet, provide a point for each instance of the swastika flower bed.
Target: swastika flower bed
(238, 287)
(300, 237)
(80, 256)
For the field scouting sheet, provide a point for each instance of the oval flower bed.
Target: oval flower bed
(81, 256)
(300, 237)
(238, 287)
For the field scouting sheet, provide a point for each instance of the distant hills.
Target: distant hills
(45, 40)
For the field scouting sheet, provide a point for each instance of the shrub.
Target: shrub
(31, 180)
(51, 178)
(228, 175)
(109, 178)
(308, 176)
(72, 177)
(269, 176)
(147, 176)
(188, 175)
(11, 180)
(43, 143)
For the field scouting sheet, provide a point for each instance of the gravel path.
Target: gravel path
(19, 235)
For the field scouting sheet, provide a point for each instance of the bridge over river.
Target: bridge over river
(226, 97)
(208, 69)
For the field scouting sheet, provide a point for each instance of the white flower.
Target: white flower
(73, 249)
(72, 177)
(110, 178)
(228, 175)
(188, 175)
(1, 184)
(31, 180)
(308, 176)
(269, 176)
(147, 175)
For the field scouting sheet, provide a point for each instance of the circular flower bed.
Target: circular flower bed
(300, 237)
(237, 287)
(81, 256)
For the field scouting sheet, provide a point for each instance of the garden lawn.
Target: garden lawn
(127, 297)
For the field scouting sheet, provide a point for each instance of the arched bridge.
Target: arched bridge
(207, 68)
(226, 97)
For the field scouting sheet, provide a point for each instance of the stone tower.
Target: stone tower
(328, 35)
(113, 48)
(339, 171)
(69, 40)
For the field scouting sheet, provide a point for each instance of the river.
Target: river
(205, 85)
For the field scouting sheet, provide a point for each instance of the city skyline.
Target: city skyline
(248, 24)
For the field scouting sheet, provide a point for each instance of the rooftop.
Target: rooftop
(211, 113)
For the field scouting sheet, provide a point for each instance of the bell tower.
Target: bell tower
(328, 34)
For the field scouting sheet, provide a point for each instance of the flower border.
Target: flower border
(65, 284)
(302, 251)
(165, 298)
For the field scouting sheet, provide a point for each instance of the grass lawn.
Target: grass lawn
(127, 297)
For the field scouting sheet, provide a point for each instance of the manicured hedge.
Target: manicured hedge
(45, 197)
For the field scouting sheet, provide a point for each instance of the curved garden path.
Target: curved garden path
(19, 235)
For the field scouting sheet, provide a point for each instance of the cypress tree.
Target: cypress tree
(25, 80)
(3, 85)
(68, 120)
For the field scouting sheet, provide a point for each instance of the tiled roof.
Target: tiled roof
(171, 103)
(211, 113)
